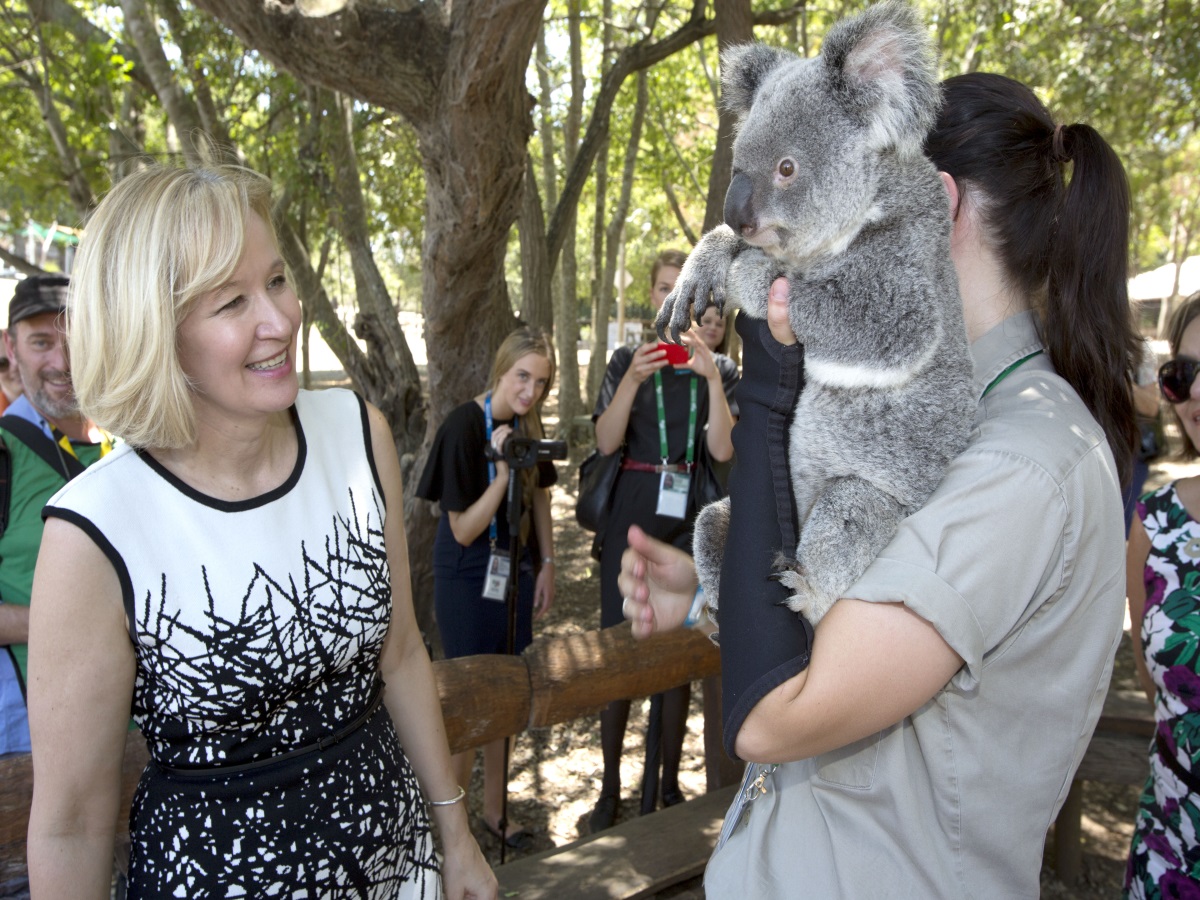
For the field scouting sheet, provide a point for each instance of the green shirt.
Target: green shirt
(31, 484)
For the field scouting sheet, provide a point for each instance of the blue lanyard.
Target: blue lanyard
(493, 533)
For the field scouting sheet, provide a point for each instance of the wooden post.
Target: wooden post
(1068, 853)
(719, 769)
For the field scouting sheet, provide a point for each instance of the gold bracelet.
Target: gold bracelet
(461, 793)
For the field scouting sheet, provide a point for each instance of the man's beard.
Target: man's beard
(48, 406)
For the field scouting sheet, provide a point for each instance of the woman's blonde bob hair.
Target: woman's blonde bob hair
(161, 238)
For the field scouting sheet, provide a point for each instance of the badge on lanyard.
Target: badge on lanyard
(673, 494)
(674, 487)
(495, 582)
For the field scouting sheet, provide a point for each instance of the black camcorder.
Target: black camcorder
(524, 452)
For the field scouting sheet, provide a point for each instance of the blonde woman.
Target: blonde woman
(236, 574)
(472, 542)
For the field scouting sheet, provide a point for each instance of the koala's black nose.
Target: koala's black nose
(739, 205)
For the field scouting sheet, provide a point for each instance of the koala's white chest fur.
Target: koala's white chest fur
(830, 373)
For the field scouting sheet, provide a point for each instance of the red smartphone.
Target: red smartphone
(677, 354)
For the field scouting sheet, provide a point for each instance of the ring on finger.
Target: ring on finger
(625, 608)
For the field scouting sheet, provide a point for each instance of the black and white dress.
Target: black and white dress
(257, 627)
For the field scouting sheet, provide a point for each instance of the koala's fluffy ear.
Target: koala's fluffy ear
(881, 64)
(744, 67)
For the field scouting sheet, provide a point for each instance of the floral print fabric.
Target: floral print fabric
(1164, 859)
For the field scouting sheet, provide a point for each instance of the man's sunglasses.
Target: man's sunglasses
(1175, 379)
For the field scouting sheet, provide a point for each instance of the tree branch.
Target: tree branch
(388, 52)
(19, 263)
(181, 109)
(673, 202)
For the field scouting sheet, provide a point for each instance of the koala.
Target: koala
(831, 189)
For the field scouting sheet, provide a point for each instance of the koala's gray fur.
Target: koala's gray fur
(831, 189)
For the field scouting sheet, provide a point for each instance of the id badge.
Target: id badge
(496, 582)
(673, 488)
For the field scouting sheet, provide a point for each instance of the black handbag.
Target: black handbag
(597, 478)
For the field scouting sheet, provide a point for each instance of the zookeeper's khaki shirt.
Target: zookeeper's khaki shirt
(1018, 561)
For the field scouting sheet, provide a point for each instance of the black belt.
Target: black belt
(322, 743)
(1191, 779)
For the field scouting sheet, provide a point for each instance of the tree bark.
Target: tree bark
(392, 382)
(210, 120)
(566, 316)
(537, 304)
(735, 25)
(616, 227)
(598, 353)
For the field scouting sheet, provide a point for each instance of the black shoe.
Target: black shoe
(672, 797)
(604, 814)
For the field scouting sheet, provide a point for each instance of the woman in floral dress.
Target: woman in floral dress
(1164, 606)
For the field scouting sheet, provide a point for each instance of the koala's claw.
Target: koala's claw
(669, 315)
(804, 599)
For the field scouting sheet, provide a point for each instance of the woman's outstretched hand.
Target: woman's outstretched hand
(658, 582)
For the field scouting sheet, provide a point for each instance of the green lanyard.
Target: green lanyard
(999, 378)
(662, 420)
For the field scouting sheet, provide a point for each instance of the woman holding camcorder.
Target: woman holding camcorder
(467, 474)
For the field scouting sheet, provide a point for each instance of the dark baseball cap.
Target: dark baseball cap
(38, 294)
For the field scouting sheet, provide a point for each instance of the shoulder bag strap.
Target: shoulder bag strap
(49, 452)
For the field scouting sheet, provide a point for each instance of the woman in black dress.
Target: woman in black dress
(653, 491)
(472, 542)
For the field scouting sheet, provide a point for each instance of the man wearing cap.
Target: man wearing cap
(47, 442)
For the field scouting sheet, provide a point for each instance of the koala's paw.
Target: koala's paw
(708, 547)
(805, 599)
(700, 283)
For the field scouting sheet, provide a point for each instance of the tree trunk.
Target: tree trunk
(537, 305)
(613, 239)
(391, 381)
(210, 120)
(735, 25)
(598, 355)
(566, 315)
(181, 110)
(569, 313)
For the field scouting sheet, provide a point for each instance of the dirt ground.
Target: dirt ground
(556, 772)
